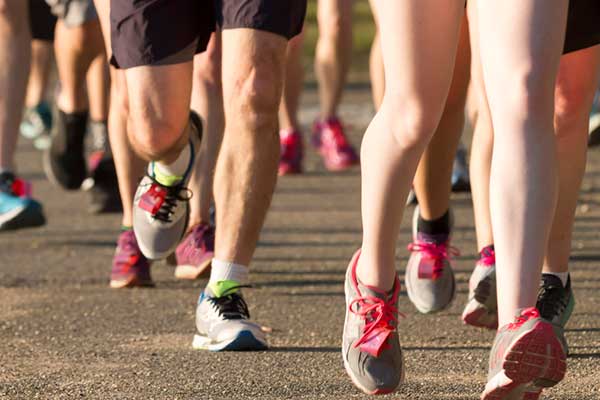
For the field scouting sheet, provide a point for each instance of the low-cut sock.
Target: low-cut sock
(563, 276)
(437, 229)
(225, 275)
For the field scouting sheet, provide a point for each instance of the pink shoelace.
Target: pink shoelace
(526, 314)
(487, 257)
(438, 252)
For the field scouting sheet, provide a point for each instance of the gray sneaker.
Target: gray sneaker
(482, 308)
(556, 303)
(525, 358)
(223, 321)
(160, 213)
(429, 277)
(370, 344)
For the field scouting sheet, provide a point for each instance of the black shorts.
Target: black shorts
(41, 20)
(583, 25)
(162, 32)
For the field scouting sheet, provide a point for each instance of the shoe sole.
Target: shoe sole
(244, 341)
(534, 361)
(192, 272)
(129, 283)
(24, 219)
(479, 316)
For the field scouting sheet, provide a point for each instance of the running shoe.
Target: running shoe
(370, 345)
(460, 171)
(594, 129)
(36, 125)
(482, 306)
(223, 321)
(526, 357)
(331, 142)
(292, 152)
(429, 277)
(17, 208)
(130, 267)
(160, 213)
(64, 160)
(195, 252)
(556, 302)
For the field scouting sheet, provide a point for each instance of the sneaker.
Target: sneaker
(64, 160)
(482, 306)
(370, 345)
(556, 302)
(195, 252)
(160, 213)
(17, 208)
(526, 357)
(104, 188)
(429, 277)
(594, 128)
(37, 121)
(292, 152)
(460, 171)
(331, 142)
(223, 321)
(130, 267)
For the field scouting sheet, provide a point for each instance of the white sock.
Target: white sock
(563, 276)
(170, 174)
(228, 271)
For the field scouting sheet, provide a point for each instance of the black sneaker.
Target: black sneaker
(556, 302)
(104, 194)
(64, 160)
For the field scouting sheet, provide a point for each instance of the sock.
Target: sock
(439, 227)
(172, 174)
(563, 276)
(125, 228)
(225, 275)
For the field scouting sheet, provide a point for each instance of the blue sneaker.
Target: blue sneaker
(17, 209)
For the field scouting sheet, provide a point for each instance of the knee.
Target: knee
(572, 108)
(13, 17)
(411, 122)
(152, 136)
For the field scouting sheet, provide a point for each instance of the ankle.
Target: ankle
(369, 274)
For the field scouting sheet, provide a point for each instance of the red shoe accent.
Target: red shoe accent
(292, 152)
(331, 142)
(433, 255)
(21, 188)
(153, 199)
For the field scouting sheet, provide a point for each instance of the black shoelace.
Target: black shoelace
(174, 194)
(231, 306)
(552, 300)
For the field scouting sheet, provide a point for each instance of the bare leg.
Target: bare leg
(41, 57)
(376, 65)
(521, 97)
(577, 79)
(420, 54)
(334, 49)
(207, 101)
(432, 182)
(15, 38)
(98, 83)
(253, 68)
(292, 88)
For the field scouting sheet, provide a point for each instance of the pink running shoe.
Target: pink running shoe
(195, 252)
(130, 267)
(331, 142)
(482, 307)
(292, 152)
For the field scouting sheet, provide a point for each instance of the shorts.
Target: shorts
(143, 32)
(583, 25)
(73, 12)
(41, 21)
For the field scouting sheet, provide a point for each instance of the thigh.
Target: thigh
(281, 17)
(520, 44)
(419, 42)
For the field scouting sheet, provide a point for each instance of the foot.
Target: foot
(36, 122)
(195, 252)
(555, 302)
(526, 357)
(460, 172)
(223, 321)
(130, 267)
(160, 212)
(104, 192)
(370, 345)
(482, 306)
(64, 160)
(17, 209)
(429, 277)
(331, 142)
(292, 152)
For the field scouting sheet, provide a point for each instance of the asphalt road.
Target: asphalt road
(64, 334)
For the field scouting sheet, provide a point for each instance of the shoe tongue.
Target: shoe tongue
(222, 288)
(439, 238)
(551, 280)
(371, 291)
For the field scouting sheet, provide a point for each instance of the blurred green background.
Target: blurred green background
(363, 31)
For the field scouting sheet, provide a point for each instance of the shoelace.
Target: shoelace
(333, 134)
(438, 252)
(525, 315)
(165, 199)
(379, 316)
(231, 305)
(551, 300)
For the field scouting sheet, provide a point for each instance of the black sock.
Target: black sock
(439, 226)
